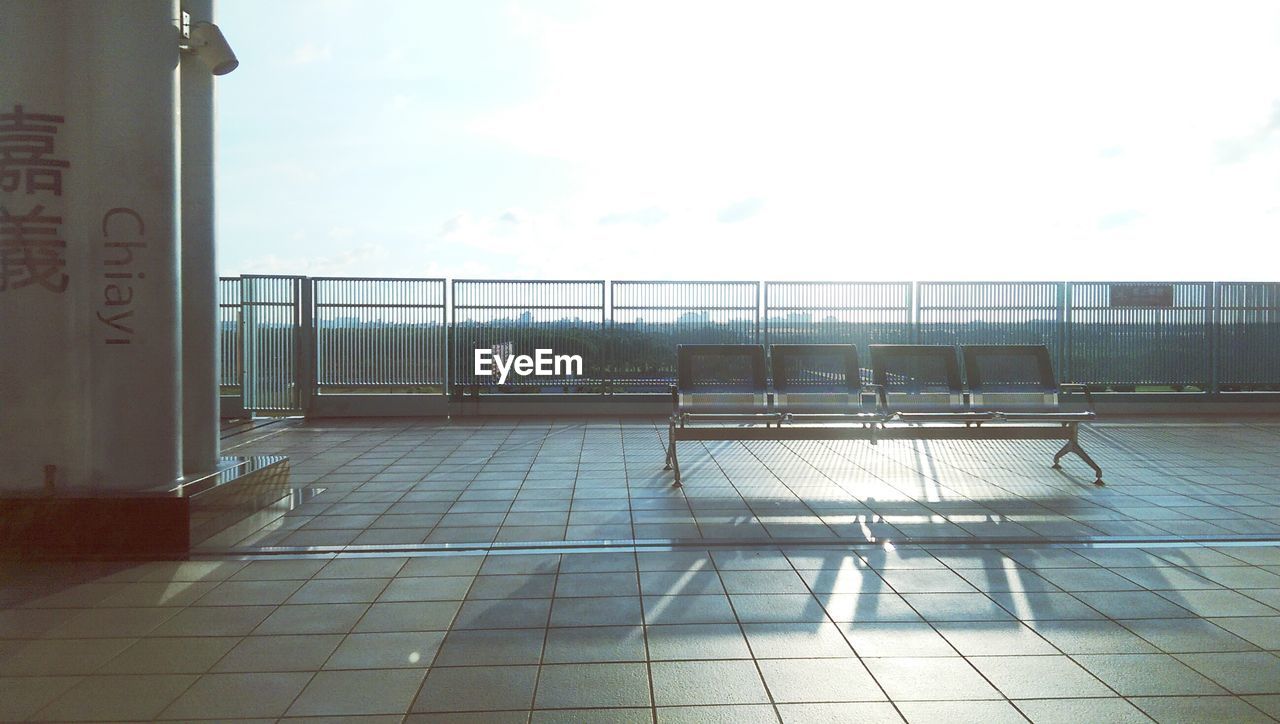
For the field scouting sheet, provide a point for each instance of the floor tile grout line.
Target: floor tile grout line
(766, 465)
(843, 635)
(431, 665)
(922, 473)
(546, 629)
(1120, 623)
(316, 672)
(635, 559)
(742, 631)
(1020, 622)
(681, 492)
(644, 632)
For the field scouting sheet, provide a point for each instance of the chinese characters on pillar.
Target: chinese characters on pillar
(32, 252)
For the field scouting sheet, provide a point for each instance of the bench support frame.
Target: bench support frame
(1073, 446)
(1067, 431)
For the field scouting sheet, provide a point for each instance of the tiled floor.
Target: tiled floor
(803, 634)
(412, 483)
(813, 582)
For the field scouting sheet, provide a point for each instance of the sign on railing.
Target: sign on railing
(1154, 296)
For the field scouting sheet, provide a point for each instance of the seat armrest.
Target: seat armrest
(1077, 387)
(675, 400)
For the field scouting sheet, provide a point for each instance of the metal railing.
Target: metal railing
(1247, 335)
(230, 352)
(516, 317)
(992, 313)
(861, 313)
(1138, 343)
(271, 337)
(648, 319)
(380, 333)
(284, 338)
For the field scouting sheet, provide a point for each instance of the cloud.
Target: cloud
(890, 142)
(740, 210)
(650, 216)
(867, 126)
(1237, 150)
(309, 53)
(364, 260)
(1118, 219)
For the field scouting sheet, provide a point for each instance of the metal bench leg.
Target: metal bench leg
(1062, 452)
(1097, 471)
(671, 454)
(1073, 446)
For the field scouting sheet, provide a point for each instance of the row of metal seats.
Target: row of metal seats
(910, 383)
(722, 393)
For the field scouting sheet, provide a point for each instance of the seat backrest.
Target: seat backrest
(721, 378)
(1010, 377)
(918, 377)
(816, 378)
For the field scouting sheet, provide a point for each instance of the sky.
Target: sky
(848, 140)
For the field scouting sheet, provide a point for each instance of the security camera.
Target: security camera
(209, 44)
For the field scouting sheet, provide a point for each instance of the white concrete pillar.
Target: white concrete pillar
(199, 260)
(89, 373)
(43, 256)
(130, 183)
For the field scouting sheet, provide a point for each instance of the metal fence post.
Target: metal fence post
(306, 359)
(241, 356)
(758, 337)
(913, 316)
(606, 337)
(764, 319)
(1060, 364)
(451, 317)
(1215, 343)
(1068, 371)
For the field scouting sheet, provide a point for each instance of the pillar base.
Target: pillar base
(162, 523)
